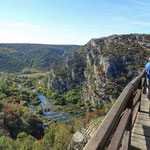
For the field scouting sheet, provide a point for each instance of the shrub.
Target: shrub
(22, 135)
(40, 110)
(56, 94)
(97, 112)
(2, 96)
(24, 103)
(73, 96)
(62, 137)
(88, 105)
(18, 107)
(89, 116)
(122, 80)
(9, 110)
(49, 93)
(60, 101)
(28, 142)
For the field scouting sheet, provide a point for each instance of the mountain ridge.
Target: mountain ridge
(38, 56)
(108, 64)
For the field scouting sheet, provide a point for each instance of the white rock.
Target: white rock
(78, 137)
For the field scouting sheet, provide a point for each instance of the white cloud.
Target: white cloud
(20, 32)
(141, 23)
(144, 15)
(118, 19)
(18, 25)
(141, 2)
(29, 33)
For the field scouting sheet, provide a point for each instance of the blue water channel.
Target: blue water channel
(47, 109)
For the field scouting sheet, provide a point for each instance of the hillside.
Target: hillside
(15, 57)
(80, 83)
(102, 67)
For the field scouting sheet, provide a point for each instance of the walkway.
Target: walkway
(140, 134)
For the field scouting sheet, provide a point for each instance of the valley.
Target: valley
(32, 57)
(59, 90)
(74, 74)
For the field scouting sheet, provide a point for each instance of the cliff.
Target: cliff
(102, 67)
(68, 74)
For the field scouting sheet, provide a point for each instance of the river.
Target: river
(48, 112)
(47, 104)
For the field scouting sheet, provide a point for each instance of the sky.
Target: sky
(70, 21)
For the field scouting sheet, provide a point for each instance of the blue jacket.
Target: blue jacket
(147, 67)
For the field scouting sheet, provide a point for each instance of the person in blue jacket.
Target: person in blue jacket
(147, 68)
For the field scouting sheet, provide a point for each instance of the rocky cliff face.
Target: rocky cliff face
(103, 67)
(68, 74)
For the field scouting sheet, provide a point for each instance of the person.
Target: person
(147, 68)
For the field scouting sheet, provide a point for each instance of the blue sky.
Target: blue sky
(70, 21)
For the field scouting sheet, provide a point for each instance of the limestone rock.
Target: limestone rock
(103, 67)
(78, 142)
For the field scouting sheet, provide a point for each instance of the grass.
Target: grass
(35, 74)
(70, 108)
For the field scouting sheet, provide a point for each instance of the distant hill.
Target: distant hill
(16, 57)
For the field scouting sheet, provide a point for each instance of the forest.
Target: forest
(16, 57)
(21, 128)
